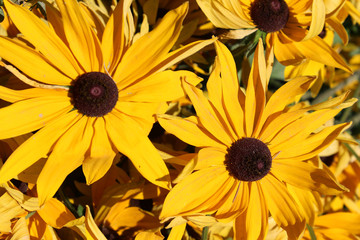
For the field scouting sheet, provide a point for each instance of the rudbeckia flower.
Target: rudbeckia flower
(285, 23)
(251, 149)
(91, 97)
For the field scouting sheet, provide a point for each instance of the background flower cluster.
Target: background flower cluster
(172, 119)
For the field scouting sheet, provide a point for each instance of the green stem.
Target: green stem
(311, 232)
(352, 151)
(205, 232)
(67, 203)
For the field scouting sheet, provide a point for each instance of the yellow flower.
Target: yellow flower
(285, 22)
(251, 149)
(91, 98)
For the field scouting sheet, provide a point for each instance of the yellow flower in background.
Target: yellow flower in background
(251, 149)
(285, 22)
(91, 97)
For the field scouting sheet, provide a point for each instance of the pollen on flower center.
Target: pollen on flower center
(269, 15)
(248, 159)
(94, 94)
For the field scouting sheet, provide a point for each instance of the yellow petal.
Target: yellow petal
(339, 29)
(222, 17)
(189, 130)
(113, 39)
(177, 232)
(315, 49)
(343, 220)
(10, 95)
(101, 154)
(312, 145)
(282, 206)
(81, 38)
(92, 230)
(159, 87)
(71, 148)
(205, 191)
(252, 224)
(128, 138)
(14, 52)
(317, 19)
(208, 115)
(210, 156)
(31, 114)
(181, 53)
(147, 51)
(20, 230)
(226, 90)
(55, 213)
(9, 209)
(255, 91)
(236, 202)
(305, 175)
(44, 39)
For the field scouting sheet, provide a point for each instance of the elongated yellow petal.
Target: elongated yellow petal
(113, 39)
(314, 144)
(255, 91)
(10, 95)
(92, 230)
(71, 148)
(308, 201)
(210, 156)
(177, 232)
(208, 115)
(339, 29)
(285, 95)
(222, 17)
(147, 51)
(101, 154)
(229, 93)
(189, 130)
(159, 87)
(31, 114)
(44, 39)
(14, 52)
(282, 206)
(9, 209)
(81, 38)
(128, 138)
(177, 55)
(305, 175)
(343, 220)
(235, 203)
(293, 52)
(210, 185)
(302, 128)
(55, 213)
(24, 156)
(317, 19)
(252, 224)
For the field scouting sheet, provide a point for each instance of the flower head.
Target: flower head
(251, 149)
(90, 97)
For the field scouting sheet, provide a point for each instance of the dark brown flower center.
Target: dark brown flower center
(248, 159)
(269, 15)
(94, 94)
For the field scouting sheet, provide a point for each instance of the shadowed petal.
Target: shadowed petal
(68, 154)
(24, 156)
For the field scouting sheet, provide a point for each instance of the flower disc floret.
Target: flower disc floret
(94, 94)
(248, 159)
(269, 15)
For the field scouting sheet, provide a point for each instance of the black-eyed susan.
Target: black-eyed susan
(91, 97)
(290, 26)
(251, 149)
